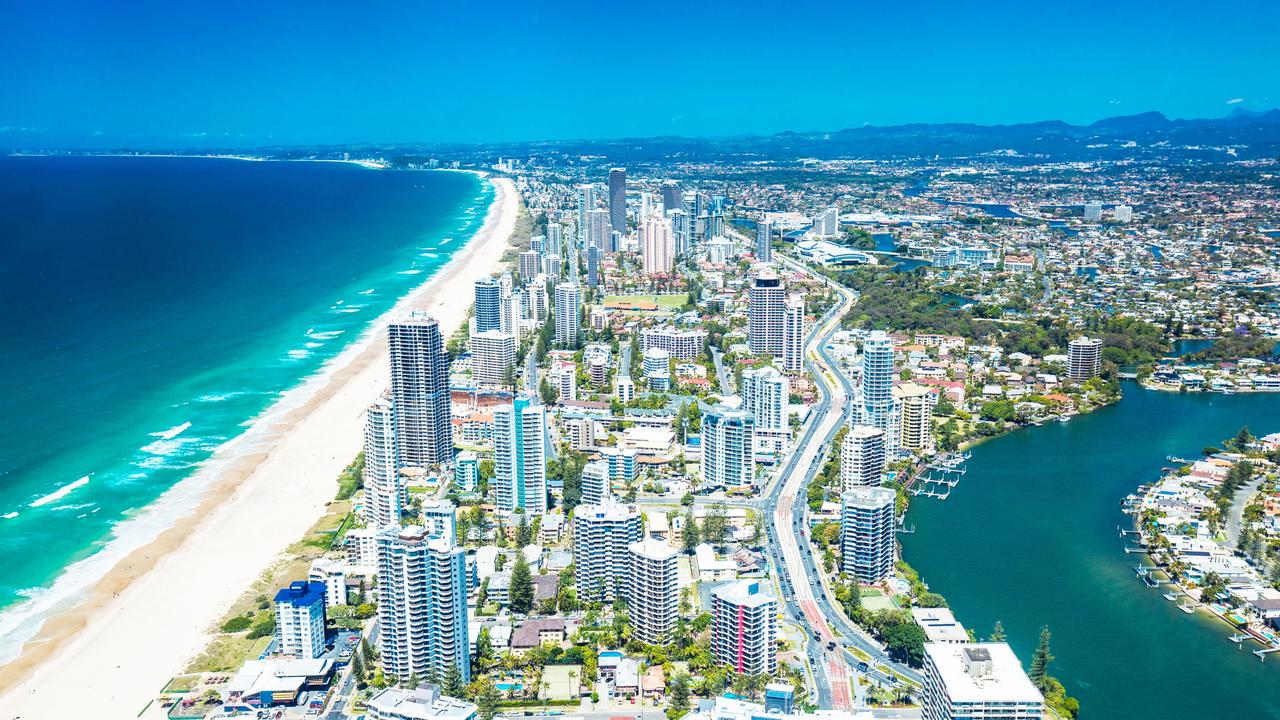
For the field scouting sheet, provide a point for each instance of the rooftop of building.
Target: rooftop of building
(981, 673)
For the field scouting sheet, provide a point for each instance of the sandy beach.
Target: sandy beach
(142, 622)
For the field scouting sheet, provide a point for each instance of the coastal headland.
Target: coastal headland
(154, 610)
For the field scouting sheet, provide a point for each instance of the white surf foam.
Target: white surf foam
(60, 493)
(414, 271)
(172, 432)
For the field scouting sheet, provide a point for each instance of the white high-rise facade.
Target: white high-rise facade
(766, 395)
(765, 315)
(915, 405)
(793, 334)
(862, 457)
(867, 540)
(519, 456)
(653, 591)
(977, 681)
(744, 627)
(596, 486)
(420, 391)
(764, 241)
(657, 245)
(877, 407)
(728, 447)
(384, 491)
(422, 605)
(827, 222)
(602, 535)
(568, 314)
(488, 303)
(1084, 358)
(300, 619)
(493, 358)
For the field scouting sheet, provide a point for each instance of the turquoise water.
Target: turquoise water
(155, 306)
(1029, 537)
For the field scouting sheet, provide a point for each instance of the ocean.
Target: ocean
(153, 308)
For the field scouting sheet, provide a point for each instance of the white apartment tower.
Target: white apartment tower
(766, 394)
(793, 334)
(764, 241)
(653, 590)
(568, 314)
(878, 408)
(384, 491)
(862, 457)
(766, 315)
(493, 357)
(867, 540)
(657, 245)
(300, 619)
(519, 456)
(596, 487)
(1084, 358)
(422, 604)
(744, 627)
(420, 391)
(728, 446)
(915, 405)
(602, 535)
(977, 680)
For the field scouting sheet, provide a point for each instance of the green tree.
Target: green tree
(690, 533)
(452, 684)
(413, 681)
(524, 535)
(1041, 659)
(358, 670)
(679, 694)
(1243, 438)
(715, 526)
(548, 392)
(997, 632)
(521, 586)
(486, 698)
(905, 642)
(484, 651)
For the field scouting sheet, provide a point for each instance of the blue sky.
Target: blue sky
(174, 74)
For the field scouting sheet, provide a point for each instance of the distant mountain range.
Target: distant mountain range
(1240, 134)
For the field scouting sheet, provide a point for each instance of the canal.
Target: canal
(1029, 537)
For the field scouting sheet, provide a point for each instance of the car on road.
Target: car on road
(863, 667)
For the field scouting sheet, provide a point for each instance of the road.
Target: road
(1235, 516)
(807, 597)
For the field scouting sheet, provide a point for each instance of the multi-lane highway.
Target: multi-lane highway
(785, 503)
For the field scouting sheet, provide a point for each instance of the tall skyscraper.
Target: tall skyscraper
(568, 314)
(862, 457)
(653, 591)
(618, 199)
(977, 680)
(793, 334)
(599, 231)
(877, 387)
(827, 222)
(764, 241)
(766, 314)
(420, 391)
(671, 196)
(657, 245)
(593, 266)
(586, 203)
(602, 535)
(744, 627)
(1092, 211)
(766, 394)
(555, 239)
(384, 490)
(422, 604)
(681, 231)
(488, 304)
(867, 540)
(1084, 358)
(519, 456)
(300, 619)
(728, 447)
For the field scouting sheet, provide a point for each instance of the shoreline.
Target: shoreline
(152, 611)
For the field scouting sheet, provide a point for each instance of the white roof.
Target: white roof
(940, 625)
(1005, 682)
(424, 703)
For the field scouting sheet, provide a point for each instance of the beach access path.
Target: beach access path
(109, 656)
